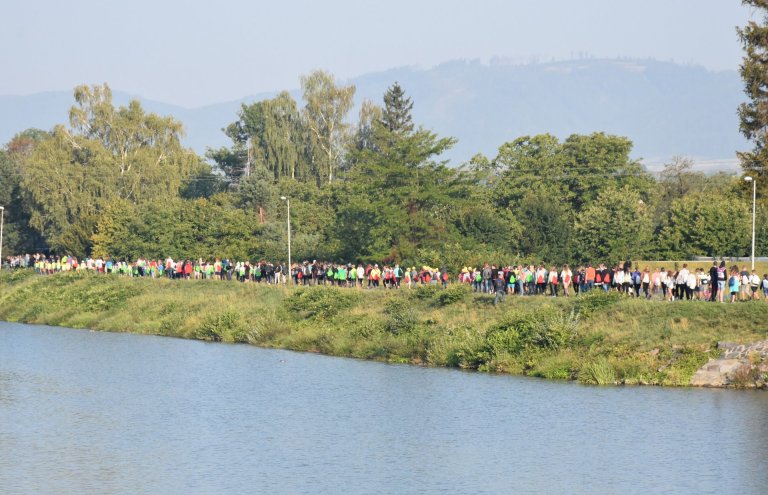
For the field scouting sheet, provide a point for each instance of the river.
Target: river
(103, 413)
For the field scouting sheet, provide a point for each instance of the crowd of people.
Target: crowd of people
(715, 284)
(670, 285)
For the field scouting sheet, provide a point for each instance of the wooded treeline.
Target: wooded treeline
(117, 181)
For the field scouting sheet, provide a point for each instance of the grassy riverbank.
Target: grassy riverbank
(599, 338)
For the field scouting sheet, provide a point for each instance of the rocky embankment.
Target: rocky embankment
(739, 365)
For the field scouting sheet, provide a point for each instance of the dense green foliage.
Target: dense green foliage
(117, 182)
(600, 338)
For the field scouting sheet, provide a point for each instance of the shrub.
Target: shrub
(685, 362)
(543, 328)
(320, 302)
(595, 300)
(452, 294)
(469, 350)
(561, 366)
(364, 327)
(401, 317)
(219, 327)
(15, 276)
(428, 291)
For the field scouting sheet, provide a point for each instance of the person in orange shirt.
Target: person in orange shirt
(590, 277)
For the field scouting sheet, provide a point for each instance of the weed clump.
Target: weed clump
(221, 327)
(452, 294)
(560, 366)
(428, 291)
(598, 372)
(321, 303)
(401, 316)
(547, 328)
(595, 301)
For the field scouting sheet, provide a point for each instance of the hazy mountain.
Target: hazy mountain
(665, 108)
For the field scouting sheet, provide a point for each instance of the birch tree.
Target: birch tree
(107, 155)
(326, 107)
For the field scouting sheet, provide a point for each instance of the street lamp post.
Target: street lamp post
(2, 217)
(288, 202)
(754, 202)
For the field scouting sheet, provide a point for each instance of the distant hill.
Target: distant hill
(665, 108)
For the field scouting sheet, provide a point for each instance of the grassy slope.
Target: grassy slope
(595, 339)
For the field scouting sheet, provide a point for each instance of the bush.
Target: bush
(561, 366)
(545, 328)
(633, 370)
(401, 317)
(320, 302)
(685, 362)
(220, 327)
(467, 349)
(453, 294)
(15, 276)
(428, 291)
(364, 327)
(596, 300)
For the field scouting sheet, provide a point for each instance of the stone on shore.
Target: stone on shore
(740, 365)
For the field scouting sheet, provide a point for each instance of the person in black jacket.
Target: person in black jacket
(500, 288)
(713, 282)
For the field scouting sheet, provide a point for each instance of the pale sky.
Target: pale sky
(196, 52)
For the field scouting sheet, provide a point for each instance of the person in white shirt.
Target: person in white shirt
(646, 281)
(690, 285)
(754, 285)
(566, 276)
(658, 282)
(619, 279)
(670, 287)
(704, 284)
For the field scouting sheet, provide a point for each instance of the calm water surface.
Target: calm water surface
(97, 413)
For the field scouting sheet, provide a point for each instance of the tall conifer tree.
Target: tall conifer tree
(753, 115)
(396, 116)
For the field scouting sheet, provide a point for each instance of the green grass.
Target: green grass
(596, 339)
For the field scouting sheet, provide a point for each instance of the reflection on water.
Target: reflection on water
(85, 412)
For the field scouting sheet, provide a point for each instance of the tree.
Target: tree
(274, 131)
(257, 192)
(576, 171)
(481, 171)
(109, 154)
(486, 228)
(18, 237)
(326, 107)
(144, 151)
(200, 228)
(396, 117)
(676, 180)
(616, 226)
(546, 228)
(370, 115)
(528, 165)
(592, 163)
(231, 162)
(397, 198)
(203, 183)
(706, 224)
(753, 115)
